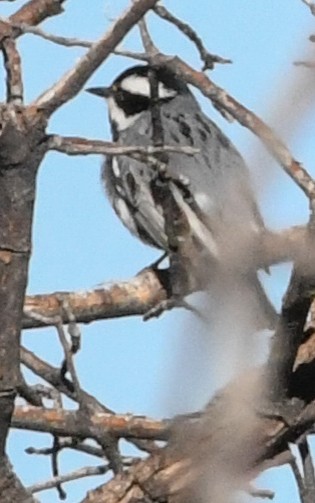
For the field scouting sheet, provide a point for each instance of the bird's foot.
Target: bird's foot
(168, 304)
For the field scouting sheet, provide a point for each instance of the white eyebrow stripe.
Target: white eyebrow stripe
(140, 85)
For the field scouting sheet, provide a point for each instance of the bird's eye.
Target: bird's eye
(120, 95)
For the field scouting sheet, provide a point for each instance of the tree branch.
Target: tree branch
(88, 471)
(12, 64)
(112, 300)
(36, 11)
(73, 81)
(208, 59)
(72, 145)
(75, 424)
(53, 376)
(138, 295)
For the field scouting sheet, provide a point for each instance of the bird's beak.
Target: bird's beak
(104, 92)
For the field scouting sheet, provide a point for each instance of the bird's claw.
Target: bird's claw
(167, 305)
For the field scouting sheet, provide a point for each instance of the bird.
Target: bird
(210, 189)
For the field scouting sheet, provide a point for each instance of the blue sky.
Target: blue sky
(78, 242)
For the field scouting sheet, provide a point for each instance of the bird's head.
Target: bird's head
(129, 94)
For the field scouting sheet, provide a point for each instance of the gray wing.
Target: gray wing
(217, 175)
(219, 179)
(127, 183)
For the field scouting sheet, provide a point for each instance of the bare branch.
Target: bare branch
(144, 291)
(111, 300)
(150, 49)
(16, 29)
(81, 146)
(160, 474)
(55, 467)
(52, 376)
(69, 443)
(208, 59)
(69, 365)
(88, 471)
(35, 11)
(71, 83)
(130, 54)
(57, 39)
(12, 64)
(74, 424)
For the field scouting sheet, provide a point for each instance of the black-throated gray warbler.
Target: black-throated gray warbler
(216, 177)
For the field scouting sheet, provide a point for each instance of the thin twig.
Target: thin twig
(70, 350)
(67, 41)
(147, 41)
(208, 59)
(87, 406)
(57, 39)
(22, 28)
(55, 469)
(52, 375)
(73, 81)
(73, 327)
(131, 54)
(69, 363)
(55, 450)
(77, 474)
(107, 442)
(72, 145)
(68, 443)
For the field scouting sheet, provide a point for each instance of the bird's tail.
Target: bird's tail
(239, 301)
(265, 315)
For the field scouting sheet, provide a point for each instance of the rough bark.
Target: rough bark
(21, 150)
